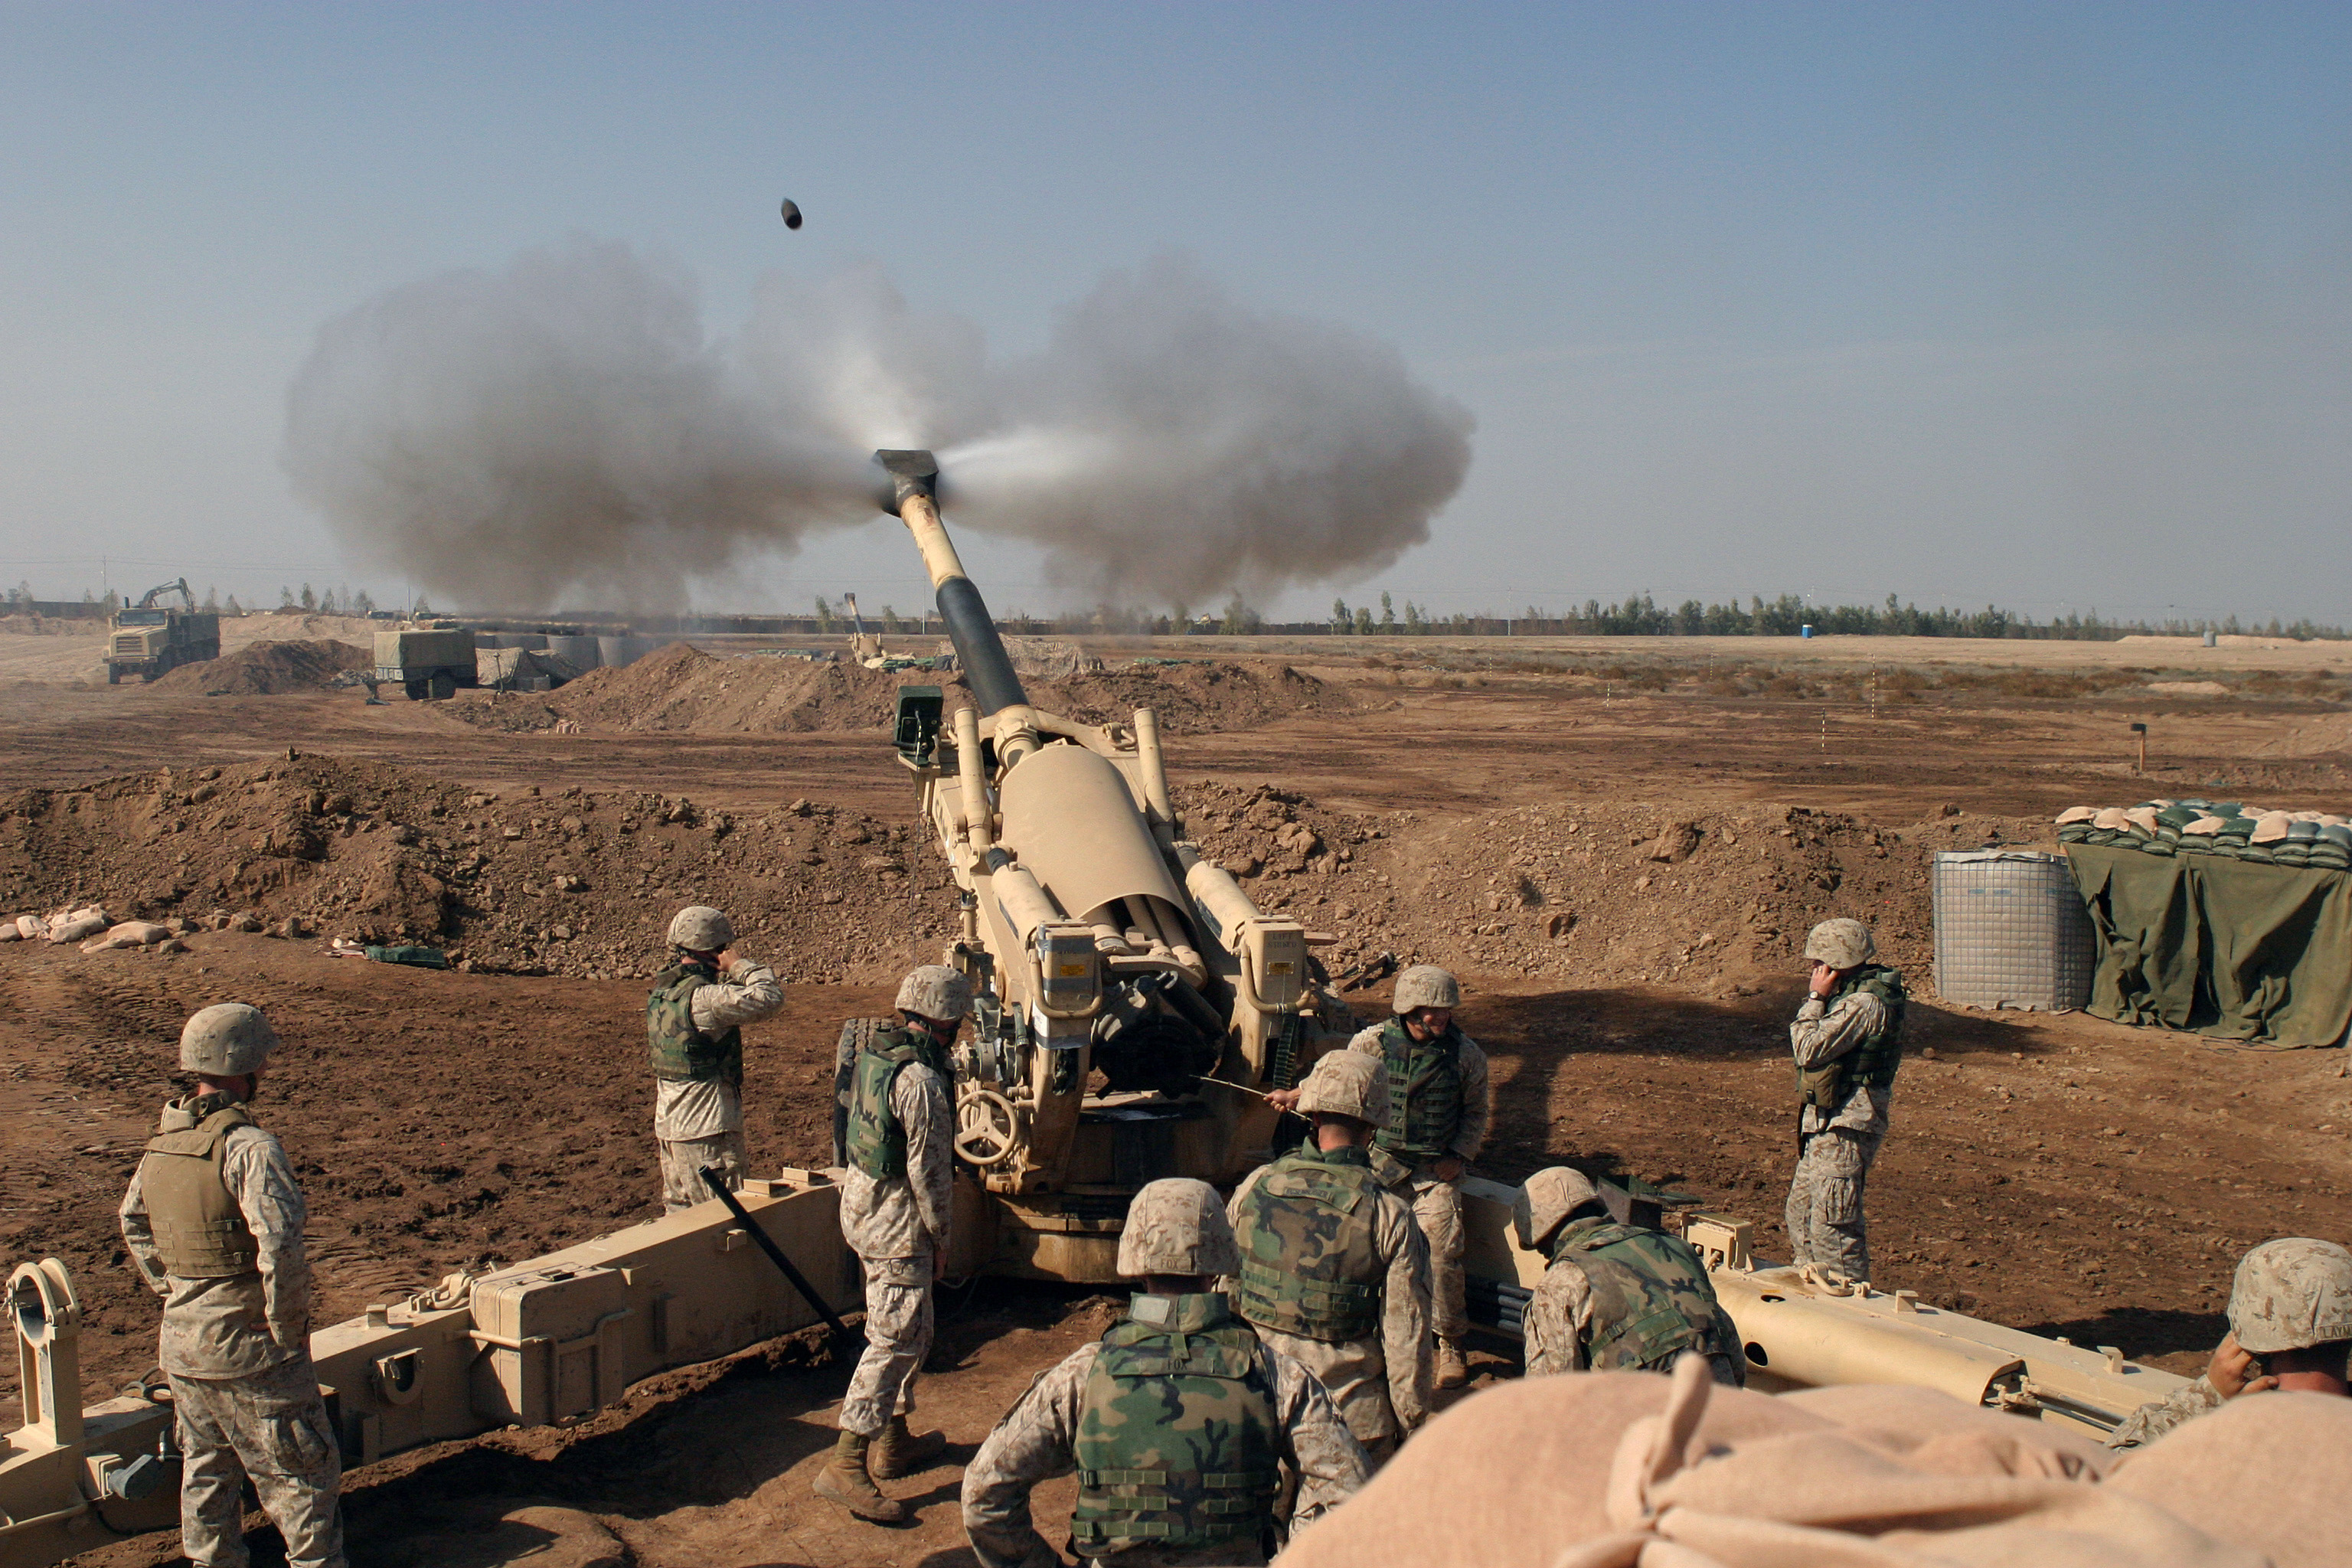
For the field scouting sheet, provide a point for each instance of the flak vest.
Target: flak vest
(679, 1050)
(1651, 1298)
(877, 1141)
(199, 1232)
(1870, 1064)
(1310, 1263)
(1424, 1093)
(1176, 1443)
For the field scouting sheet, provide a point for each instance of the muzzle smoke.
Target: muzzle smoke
(564, 429)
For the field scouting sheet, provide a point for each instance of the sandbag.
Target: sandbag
(130, 933)
(81, 923)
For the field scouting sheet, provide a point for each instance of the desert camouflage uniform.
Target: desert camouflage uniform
(700, 1122)
(1562, 1318)
(897, 1225)
(1436, 1203)
(1380, 1384)
(2289, 1294)
(2153, 1419)
(1824, 1209)
(1037, 1439)
(237, 1351)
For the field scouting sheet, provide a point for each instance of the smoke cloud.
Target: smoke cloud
(1171, 443)
(565, 430)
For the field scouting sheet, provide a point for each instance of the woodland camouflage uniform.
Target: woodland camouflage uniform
(1258, 1409)
(1847, 1047)
(1619, 1298)
(1345, 1294)
(213, 1220)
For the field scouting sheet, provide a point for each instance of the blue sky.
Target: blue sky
(2042, 305)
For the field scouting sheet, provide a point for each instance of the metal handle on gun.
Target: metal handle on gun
(713, 1178)
(1222, 1083)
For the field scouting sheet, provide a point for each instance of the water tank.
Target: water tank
(2011, 931)
(583, 654)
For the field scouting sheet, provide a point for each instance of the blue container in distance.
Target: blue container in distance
(1804, 631)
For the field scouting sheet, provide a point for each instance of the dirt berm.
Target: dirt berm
(680, 687)
(270, 669)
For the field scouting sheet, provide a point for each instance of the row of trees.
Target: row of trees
(1789, 614)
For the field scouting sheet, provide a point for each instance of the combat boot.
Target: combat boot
(845, 1480)
(1453, 1371)
(897, 1452)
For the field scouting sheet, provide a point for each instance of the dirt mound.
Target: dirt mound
(681, 689)
(1590, 892)
(577, 883)
(1193, 698)
(269, 668)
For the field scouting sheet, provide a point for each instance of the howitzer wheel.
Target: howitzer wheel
(987, 1129)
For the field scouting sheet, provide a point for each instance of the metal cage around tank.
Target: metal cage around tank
(2011, 931)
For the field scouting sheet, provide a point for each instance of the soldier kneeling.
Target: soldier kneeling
(1177, 1420)
(1617, 1298)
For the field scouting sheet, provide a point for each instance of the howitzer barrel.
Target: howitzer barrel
(912, 498)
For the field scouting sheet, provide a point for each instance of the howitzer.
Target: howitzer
(1113, 968)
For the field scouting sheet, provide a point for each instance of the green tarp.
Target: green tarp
(2225, 948)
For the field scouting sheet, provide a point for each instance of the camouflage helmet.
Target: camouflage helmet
(1347, 1083)
(1424, 985)
(936, 991)
(2290, 1294)
(1546, 1202)
(1841, 944)
(1176, 1225)
(701, 929)
(227, 1039)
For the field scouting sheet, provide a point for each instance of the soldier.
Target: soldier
(2290, 1327)
(895, 1201)
(214, 1223)
(1848, 1040)
(1334, 1273)
(1438, 1111)
(694, 1021)
(1617, 1298)
(1177, 1420)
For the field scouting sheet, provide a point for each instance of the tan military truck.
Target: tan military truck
(428, 659)
(148, 639)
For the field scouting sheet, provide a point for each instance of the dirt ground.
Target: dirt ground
(1620, 846)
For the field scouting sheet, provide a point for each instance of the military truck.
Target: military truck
(148, 639)
(428, 659)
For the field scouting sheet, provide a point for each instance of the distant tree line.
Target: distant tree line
(1788, 615)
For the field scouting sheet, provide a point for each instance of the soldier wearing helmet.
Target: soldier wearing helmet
(1617, 1298)
(1438, 1112)
(214, 1223)
(1848, 1040)
(1334, 1272)
(1178, 1421)
(2290, 1327)
(693, 1026)
(898, 1148)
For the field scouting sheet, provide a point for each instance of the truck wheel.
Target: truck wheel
(113, 676)
(444, 686)
(416, 690)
